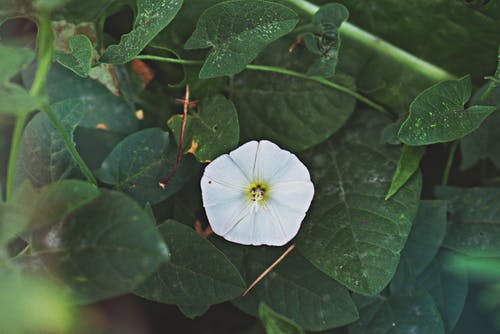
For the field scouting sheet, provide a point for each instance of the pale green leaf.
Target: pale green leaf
(275, 323)
(79, 59)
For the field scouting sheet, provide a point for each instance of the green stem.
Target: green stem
(449, 163)
(265, 68)
(350, 31)
(14, 148)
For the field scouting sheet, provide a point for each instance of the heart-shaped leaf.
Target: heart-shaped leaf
(79, 59)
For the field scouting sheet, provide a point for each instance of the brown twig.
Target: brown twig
(271, 267)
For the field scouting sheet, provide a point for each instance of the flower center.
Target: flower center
(257, 192)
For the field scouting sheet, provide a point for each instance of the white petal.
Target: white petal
(288, 220)
(269, 161)
(225, 171)
(223, 217)
(294, 170)
(244, 158)
(293, 195)
(214, 193)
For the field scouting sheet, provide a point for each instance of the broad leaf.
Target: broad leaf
(438, 115)
(152, 17)
(79, 59)
(197, 273)
(275, 323)
(294, 113)
(448, 287)
(407, 166)
(103, 249)
(212, 131)
(405, 312)
(43, 157)
(474, 223)
(295, 289)
(237, 37)
(426, 235)
(16, 100)
(351, 232)
(13, 60)
(325, 41)
(140, 162)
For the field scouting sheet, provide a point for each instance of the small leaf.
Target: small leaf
(404, 312)
(473, 227)
(351, 232)
(312, 111)
(193, 311)
(437, 115)
(197, 273)
(43, 157)
(294, 288)
(275, 323)
(212, 131)
(237, 37)
(407, 166)
(426, 235)
(79, 59)
(139, 162)
(325, 41)
(13, 60)
(16, 100)
(152, 17)
(103, 249)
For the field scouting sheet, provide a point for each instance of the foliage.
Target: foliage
(106, 127)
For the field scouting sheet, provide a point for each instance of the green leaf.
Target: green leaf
(13, 60)
(43, 157)
(139, 162)
(212, 131)
(437, 115)
(407, 166)
(473, 227)
(404, 312)
(275, 323)
(16, 100)
(152, 17)
(79, 59)
(193, 311)
(237, 37)
(197, 273)
(448, 287)
(325, 41)
(312, 111)
(103, 249)
(295, 289)
(351, 232)
(426, 235)
(100, 107)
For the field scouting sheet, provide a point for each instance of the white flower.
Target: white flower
(257, 195)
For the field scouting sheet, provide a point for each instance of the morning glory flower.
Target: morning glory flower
(257, 195)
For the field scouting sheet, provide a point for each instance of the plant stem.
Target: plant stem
(449, 163)
(69, 144)
(265, 68)
(350, 31)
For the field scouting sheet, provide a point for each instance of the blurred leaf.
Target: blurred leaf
(426, 235)
(275, 323)
(294, 288)
(325, 40)
(448, 287)
(16, 100)
(79, 59)
(43, 157)
(351, 232)
(212, 131)
(236, 37)
(437, 115)
(474, 220)
(101, 108)
(407, 166)
(139, 162)
(312, 111)
(13, 60)
(103, 249)
(29, 305)
(193, 311)
(152, 17)
(197, 273)
(404, 312)
(94, 145)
